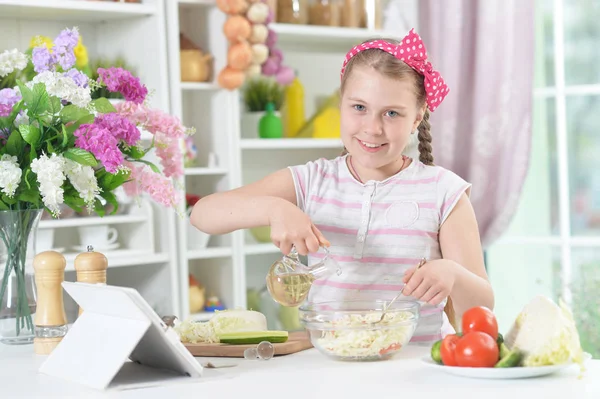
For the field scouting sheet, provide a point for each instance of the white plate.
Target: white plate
(500, 373)
(83, 248)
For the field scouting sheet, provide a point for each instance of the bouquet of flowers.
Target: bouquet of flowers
(59, 147)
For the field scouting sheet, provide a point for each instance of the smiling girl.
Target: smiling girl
(380, 210)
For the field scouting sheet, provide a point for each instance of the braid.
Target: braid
(425, 149)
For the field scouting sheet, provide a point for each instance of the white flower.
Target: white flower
(23, 119)
(10, 174)
(63, 87)
(11, 60)
(50, 176)
(83, 180)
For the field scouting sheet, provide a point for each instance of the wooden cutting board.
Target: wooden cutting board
(297, 341)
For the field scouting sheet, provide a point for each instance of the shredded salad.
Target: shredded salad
(344, 337)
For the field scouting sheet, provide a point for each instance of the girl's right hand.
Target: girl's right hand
(290, 226)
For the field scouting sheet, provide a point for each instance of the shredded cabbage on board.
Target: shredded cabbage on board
(348, 340)
(191, 331)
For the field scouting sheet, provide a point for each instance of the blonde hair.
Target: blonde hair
(392, 67)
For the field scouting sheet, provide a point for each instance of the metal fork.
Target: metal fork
(385, 309)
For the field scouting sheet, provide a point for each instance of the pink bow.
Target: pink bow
(412, 51)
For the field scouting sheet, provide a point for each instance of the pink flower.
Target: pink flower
(120, 127)
(167, 131)
(170, 155)
(119, 80)
(143, 179)
(100, 142)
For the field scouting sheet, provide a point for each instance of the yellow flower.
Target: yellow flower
(81, 54)
(39, 40)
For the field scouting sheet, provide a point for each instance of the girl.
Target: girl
(380, 210)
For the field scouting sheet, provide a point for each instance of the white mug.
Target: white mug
(97, 236)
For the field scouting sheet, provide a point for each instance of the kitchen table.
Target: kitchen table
(305, 375)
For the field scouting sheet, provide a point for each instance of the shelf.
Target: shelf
(202, 316)
(205, 171)
(259, 249)
(279, 144)
(311, 35)
(71, 10)
(209, 253)
(204, 3)
(123, 258)
(200, 86)
(92, 221)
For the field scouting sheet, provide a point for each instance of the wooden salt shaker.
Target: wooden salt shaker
(50, 316)
(91, 268)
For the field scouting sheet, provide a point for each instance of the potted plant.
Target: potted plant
(258, 92)
(59, 147)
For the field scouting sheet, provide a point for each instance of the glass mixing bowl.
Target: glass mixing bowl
(350, 330)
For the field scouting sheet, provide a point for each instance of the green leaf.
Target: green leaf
(31, 195)
(81, 156)
(54, 105)
(72, 113)
(74, 202)
(39, 105)
(103, 106)
(26, 93)
(66, 136)
(111, 199)
(154, 168)
(3, 206)
(136, 153)
(50, 147)
(109, 182)
(30, 134)
(8, 200)
(14, 144)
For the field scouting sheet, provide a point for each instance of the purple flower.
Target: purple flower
(42, 59)
(78, 77)
(5, 110)
(63, 51)
(119, 80)
(67, 38)
(120, 127)
(8, 98)
(100, 142)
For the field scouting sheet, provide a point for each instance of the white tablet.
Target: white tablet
(117, 324)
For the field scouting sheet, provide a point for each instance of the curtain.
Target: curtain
(482, 131)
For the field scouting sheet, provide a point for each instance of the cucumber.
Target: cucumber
(503, 350)
(509, 358)
(253, 337)
(435, 352)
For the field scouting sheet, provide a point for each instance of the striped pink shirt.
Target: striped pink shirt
(378, 229)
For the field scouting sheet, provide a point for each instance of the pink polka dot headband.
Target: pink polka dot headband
(412, 51)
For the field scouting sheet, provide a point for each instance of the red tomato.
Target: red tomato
(447, 349)
(476, 349)
(481, 319)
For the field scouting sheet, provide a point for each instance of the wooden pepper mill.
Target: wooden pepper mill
(91, 268)
(50, 316)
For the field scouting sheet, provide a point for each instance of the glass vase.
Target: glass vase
(17, 284)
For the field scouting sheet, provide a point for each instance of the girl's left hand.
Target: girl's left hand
(432, 282)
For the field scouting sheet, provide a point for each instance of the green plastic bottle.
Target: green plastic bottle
(270, 125)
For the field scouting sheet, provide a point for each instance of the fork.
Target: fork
(385, 309)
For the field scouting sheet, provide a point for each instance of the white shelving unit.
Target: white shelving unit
(232, 263)
(146, 257)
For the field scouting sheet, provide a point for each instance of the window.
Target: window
(553, 244)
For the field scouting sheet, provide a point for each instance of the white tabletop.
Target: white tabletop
(304, 375)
